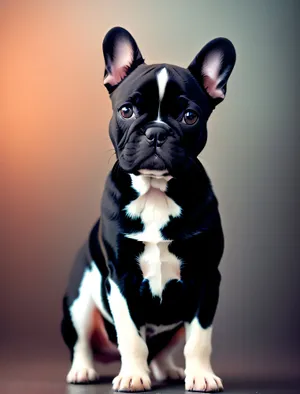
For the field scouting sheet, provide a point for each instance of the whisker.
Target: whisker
(114, 153)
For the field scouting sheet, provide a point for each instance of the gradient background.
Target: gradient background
(55, 154)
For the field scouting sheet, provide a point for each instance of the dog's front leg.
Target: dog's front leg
(198, 348)
(134, 373)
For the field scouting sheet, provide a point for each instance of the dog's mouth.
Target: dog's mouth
(154, 164)
(153, 161)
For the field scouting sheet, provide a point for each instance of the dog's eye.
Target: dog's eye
(190, 117)
(126, 111)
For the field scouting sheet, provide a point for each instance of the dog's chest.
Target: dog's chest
(155, 209)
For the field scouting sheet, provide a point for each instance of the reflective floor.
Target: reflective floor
(38, 387)
(28, 372)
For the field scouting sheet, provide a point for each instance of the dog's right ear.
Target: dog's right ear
(121, 56)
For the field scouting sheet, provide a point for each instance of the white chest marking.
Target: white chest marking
(155, 209)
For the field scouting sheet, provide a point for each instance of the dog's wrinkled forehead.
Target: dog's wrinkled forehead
(159, 84)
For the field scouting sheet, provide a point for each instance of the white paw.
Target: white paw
(175, 373)
(82, 375)
(138, 381)
(163, 372)
(203, 381)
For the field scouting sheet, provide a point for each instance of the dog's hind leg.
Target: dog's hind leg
(163, 366)
(81, 317)
(76, 326)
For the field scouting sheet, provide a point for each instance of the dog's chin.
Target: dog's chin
(153, 163)
(155, 166)
(155, 174)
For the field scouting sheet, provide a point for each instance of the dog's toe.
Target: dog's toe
(202, 381)
(134, 382)
(82, 375)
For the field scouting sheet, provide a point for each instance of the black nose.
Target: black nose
(156, 135)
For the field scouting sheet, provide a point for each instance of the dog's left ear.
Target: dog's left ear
(121, 56)
(213, 66)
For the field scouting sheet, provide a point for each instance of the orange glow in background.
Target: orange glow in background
(56, 153)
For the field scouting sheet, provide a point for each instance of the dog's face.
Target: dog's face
(160, 111)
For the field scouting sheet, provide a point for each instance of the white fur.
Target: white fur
(198, 343)
(95, 285)
(162, 80)
(123, 58)
(163, 366)
(212, 65)
(155, 209)
(197, 351)
(132, 347)
(81, 311)
(81, 314)
(123, 54)
(159, 266)
(153, 329)
(156, 174)
(211, 72)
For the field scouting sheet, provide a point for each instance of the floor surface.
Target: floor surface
(30, 372)
(42, 387)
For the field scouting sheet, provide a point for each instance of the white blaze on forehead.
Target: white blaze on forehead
(162, 80)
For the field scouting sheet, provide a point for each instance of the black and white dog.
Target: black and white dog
(149, 271)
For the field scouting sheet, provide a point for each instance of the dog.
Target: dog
(148, 273)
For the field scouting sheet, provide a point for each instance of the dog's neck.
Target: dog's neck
(143, 183)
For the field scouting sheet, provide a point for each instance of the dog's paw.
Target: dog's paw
(203, 381)
(174, 373)
(82, 375)
(163, 372)
(138, 381)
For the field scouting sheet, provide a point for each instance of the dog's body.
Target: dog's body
(149, 270)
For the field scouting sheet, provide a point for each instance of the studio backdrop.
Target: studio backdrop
(56, 153)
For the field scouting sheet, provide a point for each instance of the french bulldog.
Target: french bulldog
(148, 274)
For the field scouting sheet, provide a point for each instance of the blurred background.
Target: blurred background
(56, 153)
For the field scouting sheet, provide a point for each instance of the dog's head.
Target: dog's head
(160, 111)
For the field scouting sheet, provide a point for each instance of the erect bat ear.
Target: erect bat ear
(121, 56)
(213, 66)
